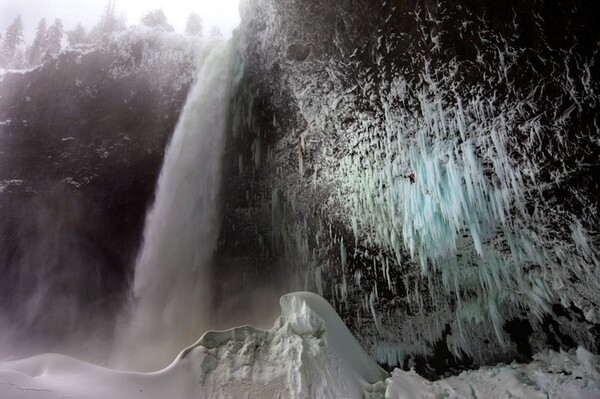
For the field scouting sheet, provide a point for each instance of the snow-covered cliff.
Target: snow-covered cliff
(428, 167)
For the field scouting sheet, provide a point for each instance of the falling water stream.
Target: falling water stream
(171, 291)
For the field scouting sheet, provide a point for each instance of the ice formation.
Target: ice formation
(445, 176)
(439, 176)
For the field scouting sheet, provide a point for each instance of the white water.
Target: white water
(171, 289)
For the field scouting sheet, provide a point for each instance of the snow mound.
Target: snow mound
(572, 375)
(309, 353)
(309, 313)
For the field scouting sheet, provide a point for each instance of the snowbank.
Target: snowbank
(561, 375)
(309, 353)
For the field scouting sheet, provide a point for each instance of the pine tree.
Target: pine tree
(215, 31)
(12, 40)
(76, 36)
(19, 60)
(54, 38)
(194, 25)
(36, 50)
(109, 23)
(158, 20)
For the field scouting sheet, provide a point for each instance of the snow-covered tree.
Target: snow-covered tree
(54, 37)
(215, 31)
(19, 60)
(37, 48)
(109, 23)
(77, 35)
(12, 40)
(194, 25)
(157, 19)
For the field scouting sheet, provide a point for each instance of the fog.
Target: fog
(223, 14)
(80, 155)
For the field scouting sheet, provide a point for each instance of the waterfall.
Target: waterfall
(171, 288)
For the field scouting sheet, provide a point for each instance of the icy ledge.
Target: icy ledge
(309, 353)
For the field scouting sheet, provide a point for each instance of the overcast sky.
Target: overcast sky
(222, 13)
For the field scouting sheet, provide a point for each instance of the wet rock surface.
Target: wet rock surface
(82, 139)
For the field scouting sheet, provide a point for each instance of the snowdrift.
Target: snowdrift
(309, 353)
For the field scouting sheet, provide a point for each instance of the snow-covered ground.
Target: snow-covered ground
(309, 353)
(551, 375)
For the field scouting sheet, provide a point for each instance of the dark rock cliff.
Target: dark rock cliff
(82, 139)
(429, 167)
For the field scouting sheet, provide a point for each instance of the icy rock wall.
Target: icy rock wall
(429, 162)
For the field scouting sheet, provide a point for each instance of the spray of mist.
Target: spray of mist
(171, 290)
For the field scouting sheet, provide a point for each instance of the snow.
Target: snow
(306, 311)
(4, 71)
(158, 52)
(551, 375)
(6, 184)
(309, 353)
(70, 180)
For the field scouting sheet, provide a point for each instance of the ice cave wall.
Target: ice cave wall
(429, 167)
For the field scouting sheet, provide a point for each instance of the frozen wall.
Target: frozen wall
(425, 162)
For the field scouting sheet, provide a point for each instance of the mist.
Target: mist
(80, 155)
(223, 14)
(97, 261)
(57, 290)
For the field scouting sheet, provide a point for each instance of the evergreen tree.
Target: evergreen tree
(109, 23)
(194, 25)
(19, 60)
(121, 23)
(36, 50)
(54, 37)
(76, 36)
(13, 38)
(215, 31)
(158, 20)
